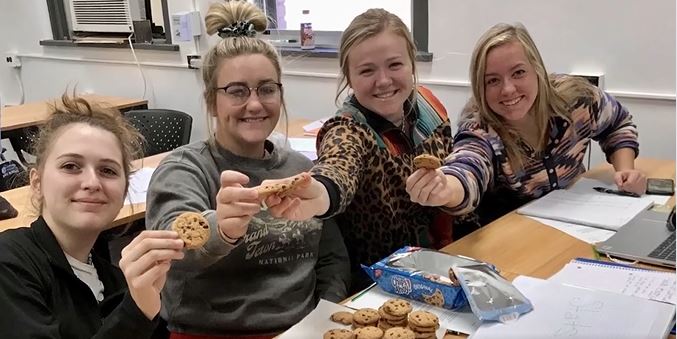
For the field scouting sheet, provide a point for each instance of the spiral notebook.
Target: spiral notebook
(617, 278)
(562, 310)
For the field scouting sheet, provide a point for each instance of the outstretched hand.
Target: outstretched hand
(305, 201)
(145, 263)
(235, 204)
(429, 187)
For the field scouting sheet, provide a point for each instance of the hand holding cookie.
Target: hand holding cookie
(427, 161)
(306, 199)
(192, 228)
(283, 187)
(145, 263)
(235, 205)
(428, 185)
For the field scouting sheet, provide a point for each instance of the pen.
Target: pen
(616, 192)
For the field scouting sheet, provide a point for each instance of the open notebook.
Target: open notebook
(573, 312)
(587, 207)
(617, 278)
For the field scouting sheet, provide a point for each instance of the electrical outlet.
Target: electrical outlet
(194, 61)
(12, 60)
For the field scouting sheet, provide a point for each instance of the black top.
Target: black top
(41, 297)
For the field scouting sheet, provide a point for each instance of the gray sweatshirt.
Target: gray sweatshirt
(266, 282)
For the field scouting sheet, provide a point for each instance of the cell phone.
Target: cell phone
(660, 186)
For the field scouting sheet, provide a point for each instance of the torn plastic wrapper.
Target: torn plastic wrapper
(491, 297)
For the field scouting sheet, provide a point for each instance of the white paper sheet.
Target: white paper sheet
(138, 186)
(572, 312)
(316, 323)
(654, 285)
(586, 207)
(591, 235)
(314, 125)
(305, 146)
(463, 321)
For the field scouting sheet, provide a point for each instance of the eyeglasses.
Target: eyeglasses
(239, 94)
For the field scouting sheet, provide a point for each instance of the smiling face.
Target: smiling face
(243, 128)
(380, 74)
(510, 82)
(82, 182)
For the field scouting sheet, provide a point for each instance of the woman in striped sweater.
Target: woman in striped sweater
(524, 133)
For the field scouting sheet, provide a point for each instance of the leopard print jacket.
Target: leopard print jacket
(367, 160)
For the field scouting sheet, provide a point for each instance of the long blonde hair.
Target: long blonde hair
(555, 97)
(234, 13)
(364, 26)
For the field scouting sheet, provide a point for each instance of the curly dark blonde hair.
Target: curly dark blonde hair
(74, 110)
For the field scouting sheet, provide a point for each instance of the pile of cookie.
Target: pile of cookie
(394, 319)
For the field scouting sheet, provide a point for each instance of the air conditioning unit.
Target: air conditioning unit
(115, 16)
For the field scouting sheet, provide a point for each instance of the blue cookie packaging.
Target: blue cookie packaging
(424, 275)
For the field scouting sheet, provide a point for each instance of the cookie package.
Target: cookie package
(422, 274)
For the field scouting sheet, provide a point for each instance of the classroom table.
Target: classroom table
(518, 245)
(521, 245)
(20, 199)
(35, 113)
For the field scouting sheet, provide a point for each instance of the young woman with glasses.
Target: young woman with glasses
(257, 275)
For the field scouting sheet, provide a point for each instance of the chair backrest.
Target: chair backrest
(163, 129)
(22, 142)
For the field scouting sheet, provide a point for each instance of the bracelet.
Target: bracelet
(228, 239)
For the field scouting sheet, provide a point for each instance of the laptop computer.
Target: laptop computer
(647, 238)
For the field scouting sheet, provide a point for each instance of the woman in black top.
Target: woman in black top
(51, 285)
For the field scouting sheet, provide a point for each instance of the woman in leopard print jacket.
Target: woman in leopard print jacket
(365, 152)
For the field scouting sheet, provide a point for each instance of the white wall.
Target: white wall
(630, 41)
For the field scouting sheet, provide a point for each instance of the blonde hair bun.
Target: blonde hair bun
(235, 18)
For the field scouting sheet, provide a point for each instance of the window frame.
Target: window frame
(326, 41)
(61, 33)
(330, 39)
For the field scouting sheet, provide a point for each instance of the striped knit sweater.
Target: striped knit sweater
(480, 163)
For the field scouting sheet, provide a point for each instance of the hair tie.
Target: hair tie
(238, 29)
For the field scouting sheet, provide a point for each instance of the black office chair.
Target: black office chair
(163, 129)
(22, 142)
